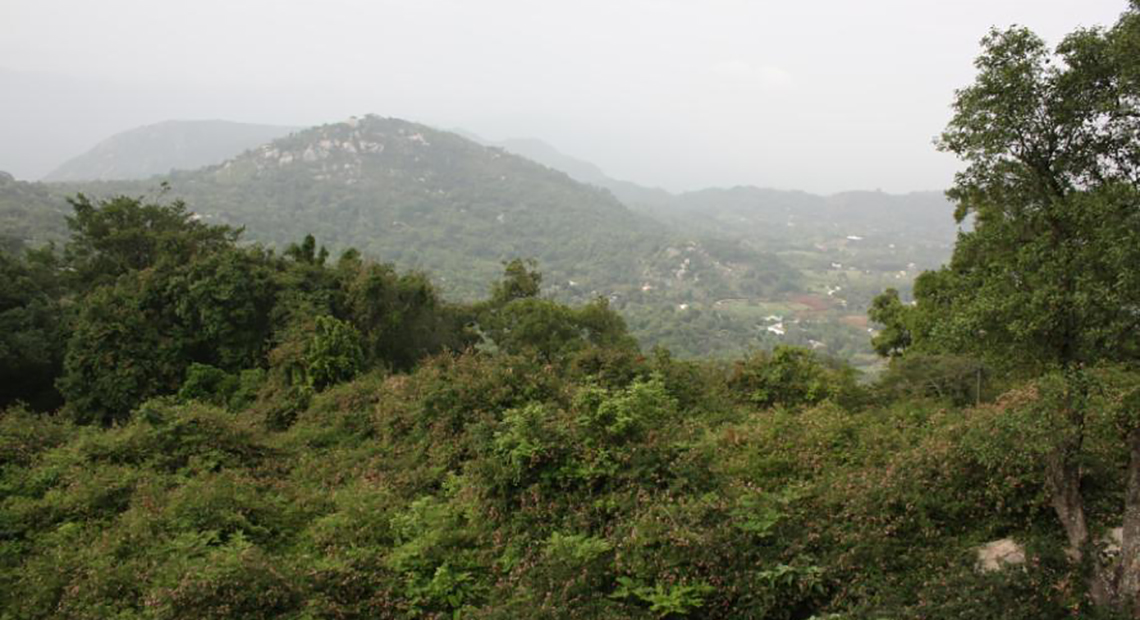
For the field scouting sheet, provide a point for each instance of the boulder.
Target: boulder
(998, 554)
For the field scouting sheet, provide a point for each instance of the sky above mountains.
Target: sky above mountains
(822, 96)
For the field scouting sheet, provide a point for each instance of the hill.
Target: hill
(846, 248)
(157, 149)
(709, 272)
(29, 214)
(242, 433)
(629, 193)
(435, 201)
(916, 227)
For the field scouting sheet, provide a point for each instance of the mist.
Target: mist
(823, 97)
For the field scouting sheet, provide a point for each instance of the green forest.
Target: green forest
(196, 423)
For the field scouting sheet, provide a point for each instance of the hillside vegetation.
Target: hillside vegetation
(30, 215)
(709, 273)
(195, 426)
(251, 434)
(436, 202)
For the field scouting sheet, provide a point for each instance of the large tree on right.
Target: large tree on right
(1047, 281)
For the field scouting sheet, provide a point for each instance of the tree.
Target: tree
(32, 328)
(401, 318)
(518, 321)
(118, 355)
(307, 252)
(888, 310)
(791, 377)
(117, 235)
(521, 279)
(1045, 283)
(136, 338)
(333, 353)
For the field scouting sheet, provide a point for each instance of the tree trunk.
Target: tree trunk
(1128, 572)
(1064, 478)
(1117, 586)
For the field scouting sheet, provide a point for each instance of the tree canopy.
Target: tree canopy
(1045, 282)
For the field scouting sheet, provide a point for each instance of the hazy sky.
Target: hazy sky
(823, 96)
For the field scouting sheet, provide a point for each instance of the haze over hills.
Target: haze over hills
(580, 170)
(171, 145)
(753, 213)
(848, 246)
(737, 212)
(432, 200)
(919, 225)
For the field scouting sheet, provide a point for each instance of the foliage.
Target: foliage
(498, 486)
(521, 279)
(400, 317)
(135, 338)
(1042, 279)
(517, 321)
(791, 377)
(115, 236)
(255, 434)
(32, 328)
(1042, 288)
(30, 216)
(888, 310)
(207, 384)
(164, 297)
(674, 600)
(960, 379)
(333, 354)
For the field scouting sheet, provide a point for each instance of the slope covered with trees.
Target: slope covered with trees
(30, 215)
(251, 434)
(715, 272)
(436, 202)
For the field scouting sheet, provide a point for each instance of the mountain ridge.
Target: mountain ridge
(158, 148)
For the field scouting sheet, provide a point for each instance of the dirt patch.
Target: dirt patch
(817, 303)
(855, 320)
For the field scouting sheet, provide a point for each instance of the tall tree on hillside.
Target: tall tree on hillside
(32, 328)
(117, 235)
(158, 290)
(1047, 281)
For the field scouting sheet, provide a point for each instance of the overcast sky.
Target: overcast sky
(824, 96)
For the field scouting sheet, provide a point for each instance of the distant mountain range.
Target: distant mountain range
(580, 170)
(715, 271)
(160, 148)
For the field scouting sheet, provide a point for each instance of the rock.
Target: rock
(1109, 546)
(998, 554)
